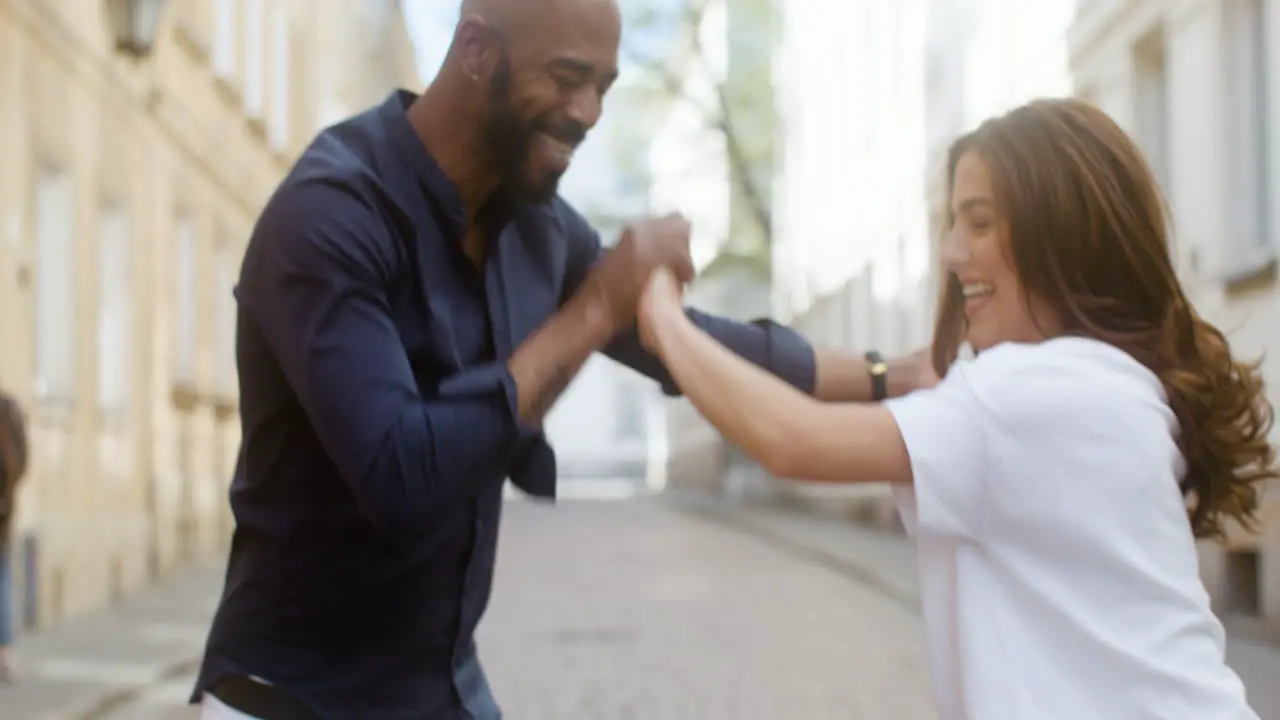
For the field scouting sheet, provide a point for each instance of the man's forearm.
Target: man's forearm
(546, 363)
(776, 348)
(844, 376)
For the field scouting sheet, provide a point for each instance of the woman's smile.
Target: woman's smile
(976, 295)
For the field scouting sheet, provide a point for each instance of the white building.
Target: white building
(984, 58)
(851, 242)
(850, 246)
(860, 184)
(1197, 82)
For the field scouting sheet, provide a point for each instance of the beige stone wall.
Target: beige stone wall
(1178, 98)
(116, 499)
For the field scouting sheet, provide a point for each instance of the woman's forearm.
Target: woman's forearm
(750, 407)
(845, 376)
(786, 431)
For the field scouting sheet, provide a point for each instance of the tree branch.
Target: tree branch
(688, 55)
(740, 165)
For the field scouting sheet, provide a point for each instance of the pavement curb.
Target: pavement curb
(727, 515)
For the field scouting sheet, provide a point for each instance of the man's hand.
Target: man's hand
(619, 279)
(605, 305)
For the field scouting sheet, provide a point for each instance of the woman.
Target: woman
(1055, 484)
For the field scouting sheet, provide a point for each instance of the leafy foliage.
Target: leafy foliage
(663, 44)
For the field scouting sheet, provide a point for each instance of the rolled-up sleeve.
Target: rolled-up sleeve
(315, 281)
(772, 346)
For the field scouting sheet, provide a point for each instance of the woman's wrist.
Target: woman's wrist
(664, 326)
(909, 373)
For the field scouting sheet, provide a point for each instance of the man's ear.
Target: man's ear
(476, 41)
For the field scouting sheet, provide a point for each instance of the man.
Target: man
(412, 302)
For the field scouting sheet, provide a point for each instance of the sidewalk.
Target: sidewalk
(82, 668)
(885, 560)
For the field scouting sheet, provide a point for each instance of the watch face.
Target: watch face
(879, 369)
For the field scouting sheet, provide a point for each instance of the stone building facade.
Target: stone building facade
(1197, 83)
(127, 193)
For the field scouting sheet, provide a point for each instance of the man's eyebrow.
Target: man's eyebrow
(579, 67)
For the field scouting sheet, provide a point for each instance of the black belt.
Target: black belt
(265, 702)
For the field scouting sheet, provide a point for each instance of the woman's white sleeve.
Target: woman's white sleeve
(943, 429)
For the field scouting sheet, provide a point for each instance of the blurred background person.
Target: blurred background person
(13, 466)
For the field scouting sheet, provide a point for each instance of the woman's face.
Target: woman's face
(975, 250)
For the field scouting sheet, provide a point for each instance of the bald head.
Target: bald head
(537, 71)
(518, 17)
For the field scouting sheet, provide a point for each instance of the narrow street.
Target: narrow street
(644, 609)
(632, 610)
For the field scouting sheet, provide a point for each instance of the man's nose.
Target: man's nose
(585, 107)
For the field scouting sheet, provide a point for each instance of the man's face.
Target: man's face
(546, 92)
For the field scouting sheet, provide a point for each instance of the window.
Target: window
(330, 82)
(185, 304)
(302, 93)
(281, 50)
(1245, 84)
(224, 303)
(1151, 102)
(55, 286)
(253, 61)
(224, 39)
(115, 314)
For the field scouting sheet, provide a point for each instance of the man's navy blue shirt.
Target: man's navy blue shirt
(379, 423)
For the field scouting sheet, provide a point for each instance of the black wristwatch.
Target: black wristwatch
(879, 370)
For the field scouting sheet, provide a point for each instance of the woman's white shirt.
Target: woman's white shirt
(1058, 573)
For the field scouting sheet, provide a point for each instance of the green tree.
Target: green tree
(663, 40)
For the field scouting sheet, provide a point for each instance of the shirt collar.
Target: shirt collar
(438, 187)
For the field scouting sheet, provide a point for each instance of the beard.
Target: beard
(510, 139)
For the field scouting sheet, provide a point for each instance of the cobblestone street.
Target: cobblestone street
(648, 609)
(628, 610)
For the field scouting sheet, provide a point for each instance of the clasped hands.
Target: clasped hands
(640, 281)
(639, 284)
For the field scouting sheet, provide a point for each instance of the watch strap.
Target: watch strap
(879, 371)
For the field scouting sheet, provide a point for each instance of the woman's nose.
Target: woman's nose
(955, 251)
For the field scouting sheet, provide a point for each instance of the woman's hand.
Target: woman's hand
(660, 305)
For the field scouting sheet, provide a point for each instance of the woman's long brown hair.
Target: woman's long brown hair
(1089, 238)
